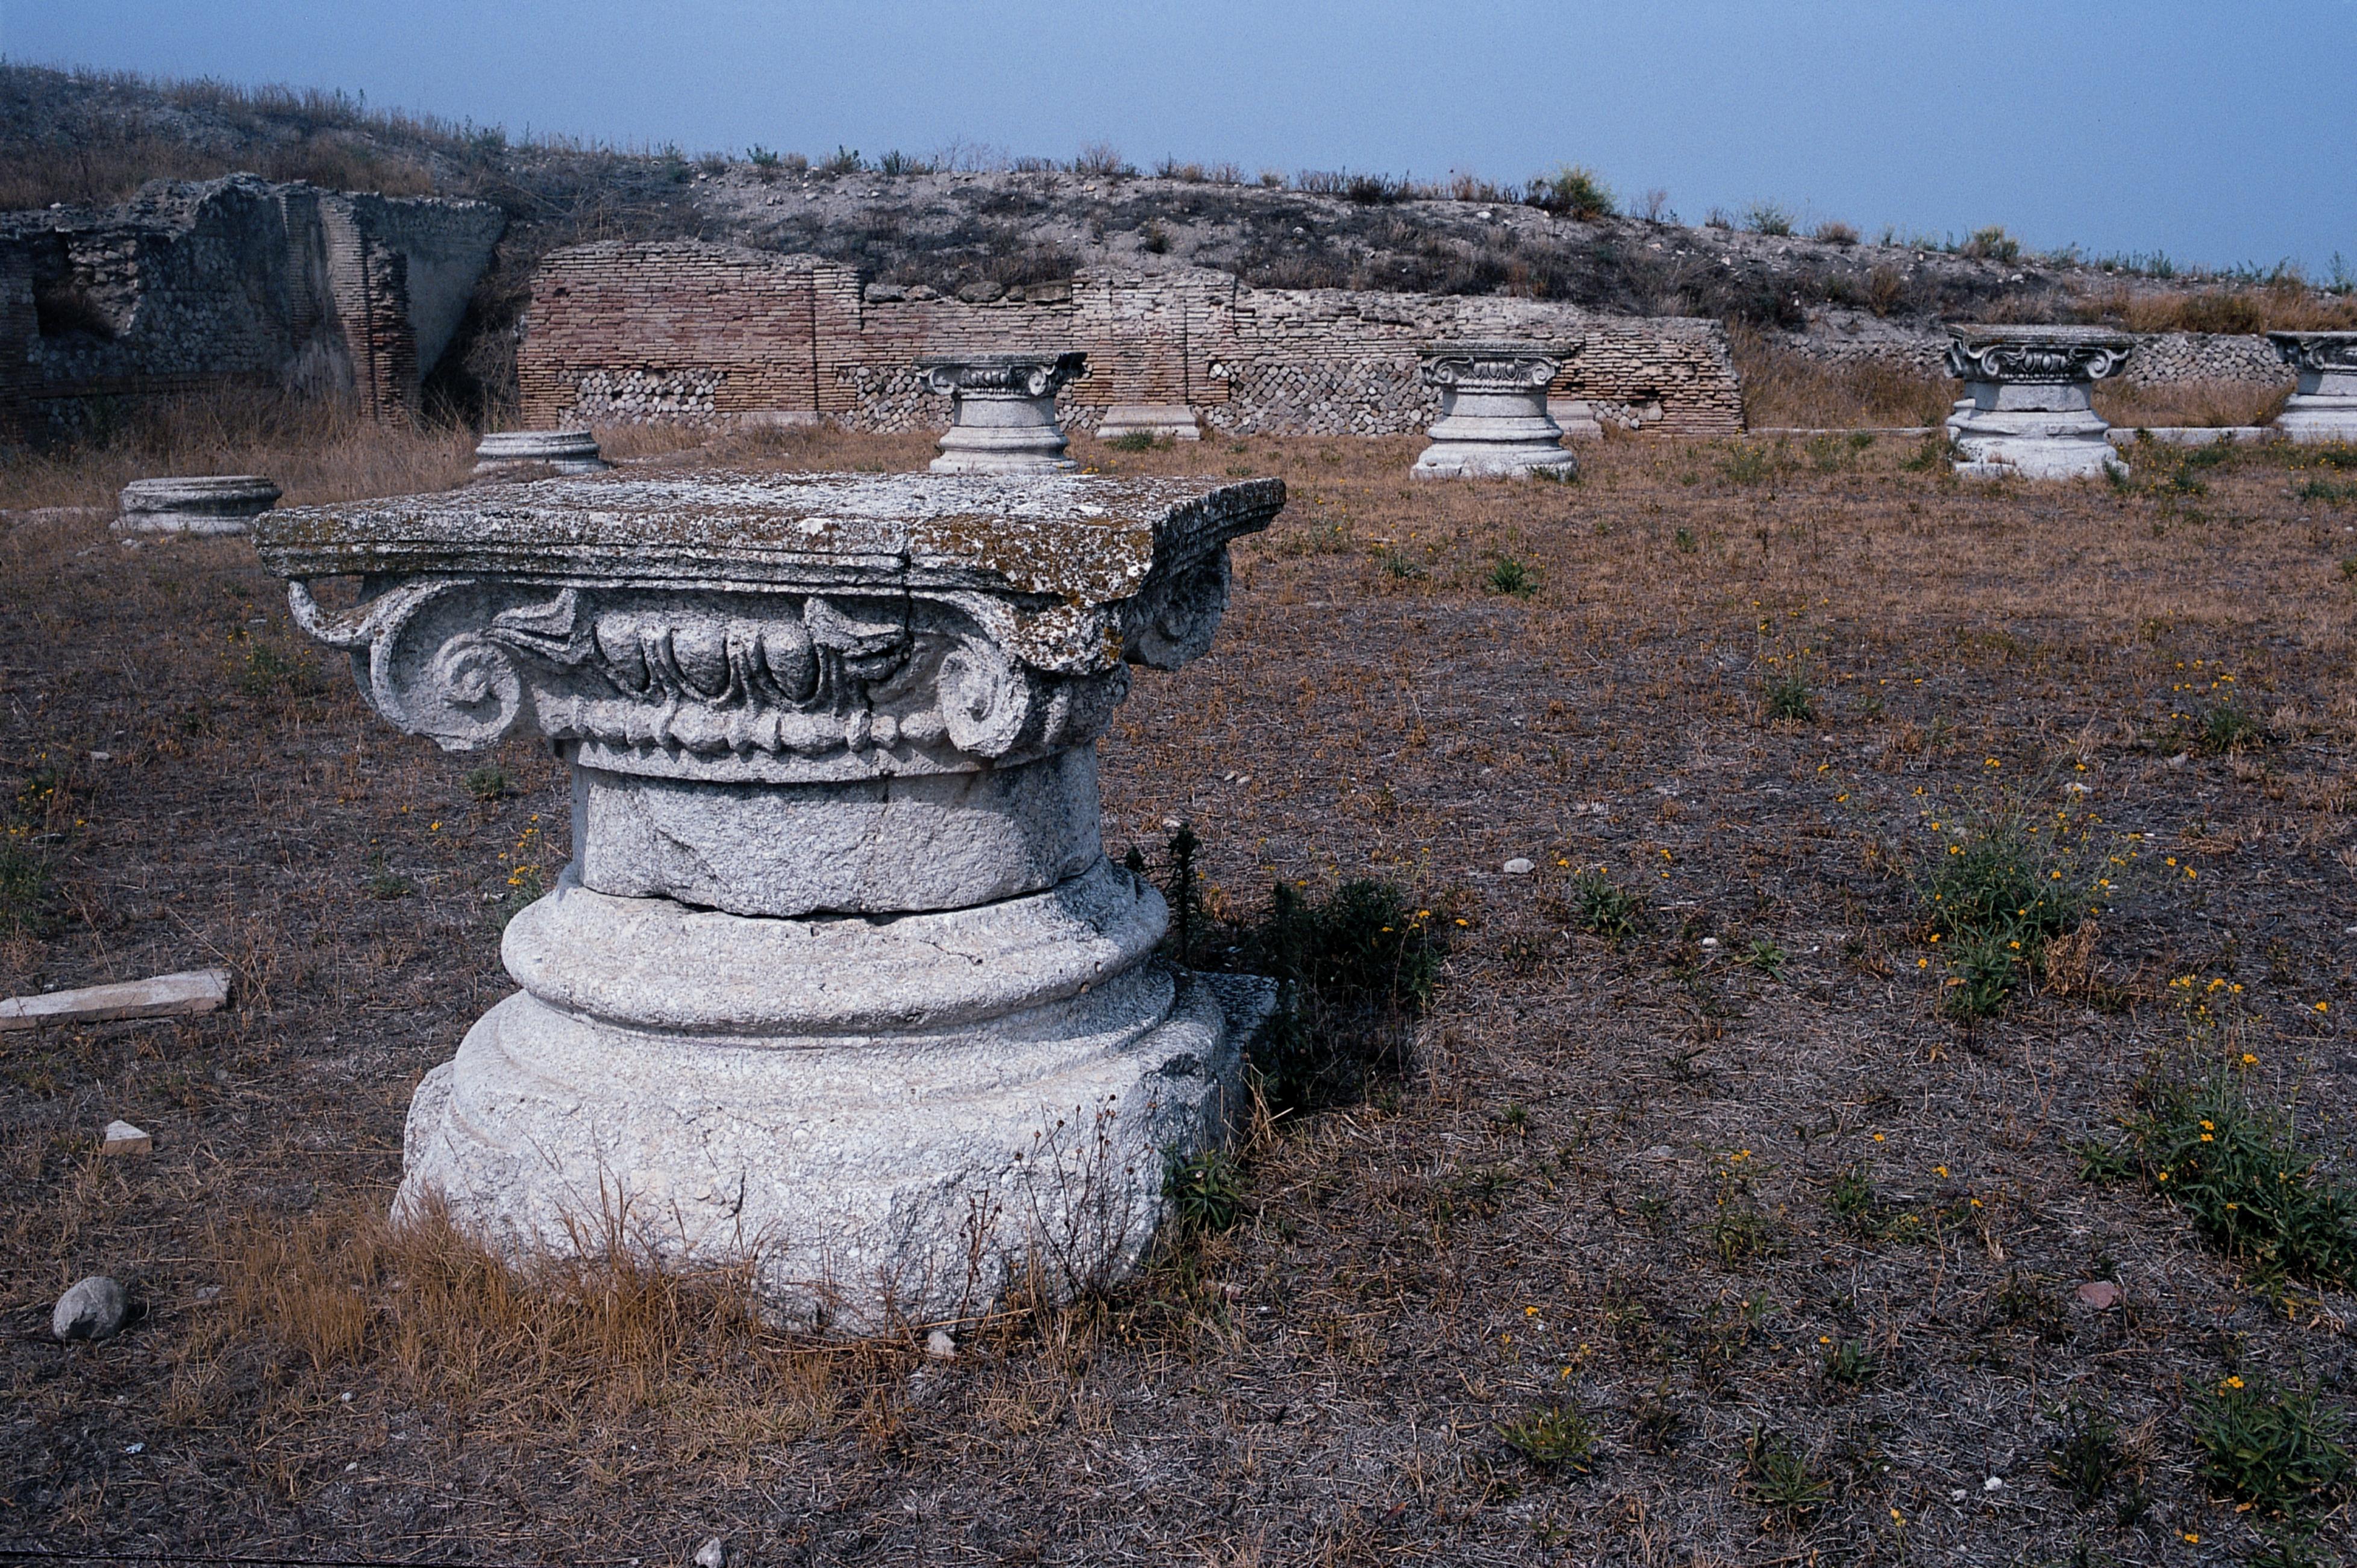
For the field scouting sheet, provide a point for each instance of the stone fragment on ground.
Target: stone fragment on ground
(940, 1346)
(712, 1553)
(164, 996)
(121, 1138)
(2101, 1295)
(1519, 867)
(93, 1309)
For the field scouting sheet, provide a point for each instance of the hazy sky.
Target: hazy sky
(2218, 134)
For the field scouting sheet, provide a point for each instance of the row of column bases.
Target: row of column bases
(2027, 411)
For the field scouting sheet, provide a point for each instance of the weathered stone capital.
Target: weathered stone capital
(771, 628)
(2316, 353)
(2043, 355)
(1002, 375)
(1482, 366)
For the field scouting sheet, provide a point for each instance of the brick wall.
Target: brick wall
(707, 333)
(232, 281)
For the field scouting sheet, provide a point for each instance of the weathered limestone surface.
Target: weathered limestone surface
(164, 996)
(839, 980)
(516, 452)
(1002, 411)
(2030, 411)
(1493, 410)
(1161, 420)
(2325, 406)
(217, 503)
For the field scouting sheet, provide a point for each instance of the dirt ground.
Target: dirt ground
(1619, 1180)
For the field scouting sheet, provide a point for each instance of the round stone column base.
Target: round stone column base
(2314, 418)
(889, 1121)
(217, 503)
(2033, 445)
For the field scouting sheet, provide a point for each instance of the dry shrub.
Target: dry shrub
(318, 449)
(1784, 389)
(2207, 403)
(441, 1321)
(2285, 306)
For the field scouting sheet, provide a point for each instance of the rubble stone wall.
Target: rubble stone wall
(231, 281)
(2159, 358)
(707, 333)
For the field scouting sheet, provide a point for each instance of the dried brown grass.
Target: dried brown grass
(2207, 403)
(316, 448)
(2288, 307)
(1538, 1214)
(1783, 390)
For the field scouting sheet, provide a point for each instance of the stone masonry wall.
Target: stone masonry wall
(705, 333)
(232, 281)
(2160, 358)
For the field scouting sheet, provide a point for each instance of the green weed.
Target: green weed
(1553, 1437)
(1135, 441)
(2241, 1174)
(1997, 895)
(2270, 1446)
(1508, 576)
(1785, 695)
(2085, 1458)
(1600, 909)
(1206, 1192)
(1352, 969)
(488, 783)
(1779, 1477)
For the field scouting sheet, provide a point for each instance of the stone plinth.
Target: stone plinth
(2030, 411)
(2324, 408)
(1575, 417)
(1493, 410)
(1160, 420)
(218, 503)
(1002, 411)
(511, 453)
(839, 980)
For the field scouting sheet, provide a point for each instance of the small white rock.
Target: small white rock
(1518, 867)
(1994, 1484)
(940, 1346)
(93, 1309)
(712, 1553)
(1710, 942)
(123, 1138)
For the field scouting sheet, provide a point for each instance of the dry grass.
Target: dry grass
(1783, 390)
(2210, 403)
(2280, 307)
(1620, 1178)
(315, 448)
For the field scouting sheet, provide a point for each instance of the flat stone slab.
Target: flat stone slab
(211, 503)
(1088, 539)
(2193, 434)
(1168, 421)
(165, 997)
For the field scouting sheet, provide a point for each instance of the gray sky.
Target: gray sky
(2218, 135)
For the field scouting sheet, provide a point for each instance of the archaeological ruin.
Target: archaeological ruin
(2325, 406)
(712, 334)
(839, 982)
(232, 283)
(211, 503)
(2030, 410)
(512, 453)
(1002, 411)
(1493, 419)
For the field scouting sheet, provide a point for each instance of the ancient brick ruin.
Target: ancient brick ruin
(705, 333)
(233, 282)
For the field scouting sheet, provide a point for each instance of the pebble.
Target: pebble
(940, 1346)
(1518, 867)
(712, 1553)
(94, 1309)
